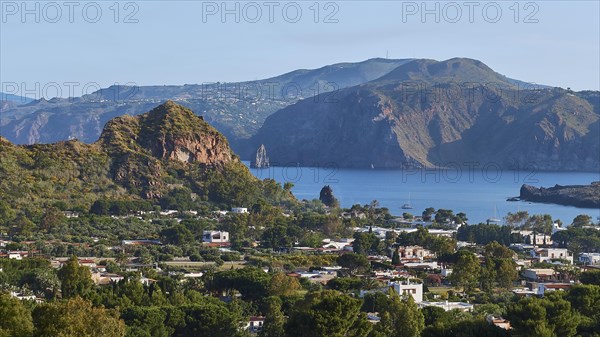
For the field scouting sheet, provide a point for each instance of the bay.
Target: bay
(480, 193)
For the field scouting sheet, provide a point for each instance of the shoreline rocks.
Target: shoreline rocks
(582, 196)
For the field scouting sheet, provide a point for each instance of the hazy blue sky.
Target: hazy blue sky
(178, 42)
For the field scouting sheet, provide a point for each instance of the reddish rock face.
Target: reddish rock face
(144, 146)
(209, 150)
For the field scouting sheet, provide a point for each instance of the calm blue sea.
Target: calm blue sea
(481, 194)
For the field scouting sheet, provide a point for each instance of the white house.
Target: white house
(239, 210)
(540, 239)
(341, 244)
(546, 287)
(413, 289)
(373, 317)
(255, 324)
(215, 236)
(557, 228)
(146, 281)
(498, 321)
(550, 254)
(168, 212)
(447, 306)
(414, 252)
(140, 242)
(23, 297)
(192, 275)
(589, 258)
(538, 274)
(537, 239)
(71, 214)
(15, 255)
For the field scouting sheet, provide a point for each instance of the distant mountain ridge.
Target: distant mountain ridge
(236, 109)
(430, 114)
(17, 100)
(377, 113)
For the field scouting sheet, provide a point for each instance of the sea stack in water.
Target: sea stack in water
(261, 161)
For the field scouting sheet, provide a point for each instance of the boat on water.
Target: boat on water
(407, 205)
(495, 218)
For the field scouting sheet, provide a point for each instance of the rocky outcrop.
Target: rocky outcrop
(173, 132)
(584, 196)
(261, 160)
(208, 149)
(144, 145)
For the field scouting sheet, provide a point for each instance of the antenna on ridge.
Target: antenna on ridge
(386, 54)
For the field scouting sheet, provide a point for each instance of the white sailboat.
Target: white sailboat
(407, 205)
(495, 217)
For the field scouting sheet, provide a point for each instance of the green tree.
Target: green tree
(23, 225)
(399, 318)
(540, 224)
(582, 220)
(590, 277)
(395, 258)
(211, 318)
(586, 300)
(365, 243)
(345, 284)
(100, 207)
(465, 328)
(506, 273)
(75, 279)
(177, 235)
(499, 267)
(7, 214)
(427, 213)
(147, 321)
(283, 285)
(76, 317)
(15, 319)
(516, 219)
(278, 236)
(179, 199)
(444, 215)
(466, 270)
(460, 218)
(43, 280)
(52, 217)
(274, 319)
(251, 282)
(549, 316)
(435, 315)
(327, 198)
(327, 313)
(356, 263)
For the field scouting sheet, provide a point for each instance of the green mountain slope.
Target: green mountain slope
(142, 157)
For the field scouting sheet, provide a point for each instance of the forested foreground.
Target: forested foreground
(220, 303)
